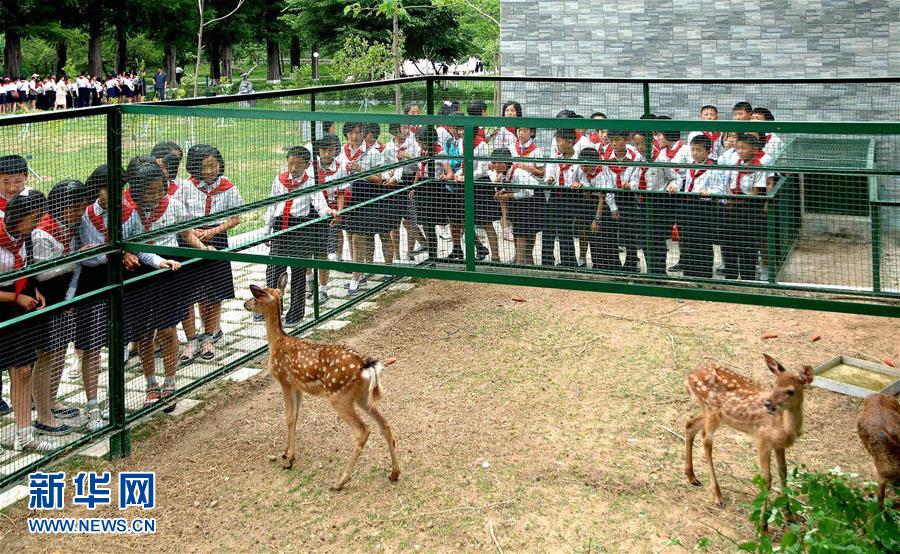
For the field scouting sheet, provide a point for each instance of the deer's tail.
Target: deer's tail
(370, 372)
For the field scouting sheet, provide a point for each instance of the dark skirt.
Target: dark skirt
(487, 208)
(527, 215)
(214, 279)
(60, 328)
(371, 219)
(92, 316)
(19, 348)
(306, 242)
(152, 303)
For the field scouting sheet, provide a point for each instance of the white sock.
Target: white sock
(354, 284)
(152, 383)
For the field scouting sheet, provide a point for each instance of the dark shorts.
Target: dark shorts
(527, 215)
(19, 348)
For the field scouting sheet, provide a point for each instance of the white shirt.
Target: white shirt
(504, 138)
(744, 182)
(195, 194)
(82, 82)
(678, 153)
(391, 155)
(562, 174)
(47, 248)
(659, 178)
(175, 213)
(88, 233)
(582, 143)
(697, 181)
(112, 83)
(717, 147)
(330, 173)
(774, 145)
(8, 260)
(299, 206)
(601, 180)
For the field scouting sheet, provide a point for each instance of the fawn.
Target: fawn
(879, 431)
(773, 417)
(346, 378)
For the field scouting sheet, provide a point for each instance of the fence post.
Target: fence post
(646, 87)
(429, 95)
(876, 246)
(120, 441)
(469, 176)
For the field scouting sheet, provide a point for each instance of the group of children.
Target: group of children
(56, 93)
(73, 216)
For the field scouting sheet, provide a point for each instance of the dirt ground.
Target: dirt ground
(522, 426)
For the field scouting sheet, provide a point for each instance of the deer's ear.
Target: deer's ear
(807, 374)
(282, 282)
(773, 364)
(258, 293)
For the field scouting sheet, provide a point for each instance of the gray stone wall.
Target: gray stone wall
(735, 39)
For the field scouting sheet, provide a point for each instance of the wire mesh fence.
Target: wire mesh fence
(209, 200)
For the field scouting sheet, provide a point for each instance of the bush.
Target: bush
(823, 512)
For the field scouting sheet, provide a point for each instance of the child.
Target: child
(400, 148)
(209, 192)
(626, 214)
(600, 237)
(523, 147)
(503, 137)
(745, 218)
(525, 208)
(709, 113)
(488, 183)
(19, 297)
(152, 306)
(665, 207)
(773, 143)
(431, 194)
(562, 202)
(741, 111)
(13, 176)
(599, 138)
(91, 317)
(54, 238)
(329, 169)
(305, 242)
(700, 222)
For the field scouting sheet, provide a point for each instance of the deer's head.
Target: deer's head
(787, 391)
(267, 299)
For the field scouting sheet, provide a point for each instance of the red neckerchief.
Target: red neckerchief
(654, 152)
(3, 202)
(713, 137)
(672, 150)
(561, 172)
(324, 174)
(291, 185)
(643, 184)
(511, 130)
(578, 135)
(377, 145)
(415, 128)
(97, 219)
(223, 185)
(597, 139)
(479, 134)
(593, 174)
(173, 187)
(156, 215)
(359, 152)
(768, 137)
(13, 247)
(757, 161)
(478, 140)
(696, 174)
(420, 173)
(618, 169)
(525, 152)
(52, 228)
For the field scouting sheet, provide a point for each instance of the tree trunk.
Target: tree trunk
(396, 54)
(273, 57)
(295, 53)
(95, 55)
(62, 56)
(215, 58)
(12, 53)
(228, 61)
(199, 48)
(170, 54)
(121, 49)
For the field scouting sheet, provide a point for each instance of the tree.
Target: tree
(201, 5)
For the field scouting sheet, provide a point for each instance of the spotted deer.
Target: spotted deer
(346, 378)
(879, 431)
(772, 416)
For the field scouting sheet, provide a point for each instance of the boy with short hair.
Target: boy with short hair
(601, 230)
(773, 143)
(709, 113)
(665, 206)
(741, 111)
(562, 202)
(700, 225)
(745, 218)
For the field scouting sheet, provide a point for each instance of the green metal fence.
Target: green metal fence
(821, 234)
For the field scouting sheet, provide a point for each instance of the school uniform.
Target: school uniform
(91, 317)
(562, 203)
(487, 210)
(22, 349)
(397, 206)
(774, 145)
(603, 243)
(527, 208)
(212, 279)
(370, 219)
(583, 141)
(431, 196)
(631, 225)
(504, 138)
(745, 222)
(305, 242)
(665, 206)
(157, 302)
(128, 87)
(51, 240)
(334, 171)
(701, 219)
(112, 88)
(84, 92)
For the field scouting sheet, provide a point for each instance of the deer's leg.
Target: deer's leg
(781, 466)
(291, 402)
(389, 437)
(710, 424)
(691, 428)
(344, 406)
(765, 467)
(882, 488)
